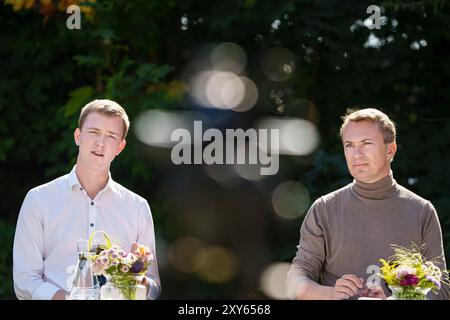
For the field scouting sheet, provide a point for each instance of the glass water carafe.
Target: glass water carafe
(85, 284)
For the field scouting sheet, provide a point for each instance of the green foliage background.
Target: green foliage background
(135, 52)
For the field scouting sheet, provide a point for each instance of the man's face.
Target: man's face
(99, 140)
(368, 157)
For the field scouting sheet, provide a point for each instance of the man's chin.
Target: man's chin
(361, 176)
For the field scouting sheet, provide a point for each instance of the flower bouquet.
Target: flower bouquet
(123, 270)
(409, 276)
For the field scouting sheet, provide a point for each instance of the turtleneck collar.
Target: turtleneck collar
(381, 189)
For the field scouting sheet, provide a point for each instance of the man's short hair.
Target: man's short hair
(106, 107)
(386, 125)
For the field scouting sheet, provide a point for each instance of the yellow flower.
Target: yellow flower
(19, 4)
(88, 10)
(28, 4)
(64, 4)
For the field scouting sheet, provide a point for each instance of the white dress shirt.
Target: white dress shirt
(56, 214)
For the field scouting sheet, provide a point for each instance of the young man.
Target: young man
(55, 215)
(346, 232)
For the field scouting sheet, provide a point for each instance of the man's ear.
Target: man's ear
(121, 146)
(76, 136)
(391, 150)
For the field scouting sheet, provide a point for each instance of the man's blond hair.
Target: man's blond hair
(386, 125)
(106, 107)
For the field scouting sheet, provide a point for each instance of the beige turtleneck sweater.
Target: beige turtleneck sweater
(349, 230)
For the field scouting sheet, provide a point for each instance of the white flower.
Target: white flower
(114, 263)
(403, 271)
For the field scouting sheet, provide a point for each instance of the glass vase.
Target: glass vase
(408, 293)
(123, 287)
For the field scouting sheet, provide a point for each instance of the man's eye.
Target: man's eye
(112, 137)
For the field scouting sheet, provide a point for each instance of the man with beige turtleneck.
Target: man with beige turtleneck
(346, 232)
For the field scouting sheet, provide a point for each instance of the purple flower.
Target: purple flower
(122, 253)
(409, 280)
(435, 281)
(137, 266)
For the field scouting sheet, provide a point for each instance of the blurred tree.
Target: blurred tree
(137, 51)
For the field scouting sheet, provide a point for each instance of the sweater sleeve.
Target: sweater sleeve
(433, 246)
(308, 262)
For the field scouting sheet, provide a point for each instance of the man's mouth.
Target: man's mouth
(98, 154)
(360, 164)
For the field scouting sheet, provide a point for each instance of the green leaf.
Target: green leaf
(78, 98)
(89, 61)
(152, 73)
(5, 145)
(106, 34)
(249, 3)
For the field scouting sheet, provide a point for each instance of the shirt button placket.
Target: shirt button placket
(92, 216)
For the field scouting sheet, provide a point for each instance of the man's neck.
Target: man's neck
(91, 181)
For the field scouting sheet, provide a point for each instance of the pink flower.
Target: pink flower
(140, 250)
(98, 267)
(134, 246)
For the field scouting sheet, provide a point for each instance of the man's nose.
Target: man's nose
(100, 140)
(357, 153)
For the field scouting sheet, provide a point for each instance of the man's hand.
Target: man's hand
(346, 287)
(146, 282)
(59, 295)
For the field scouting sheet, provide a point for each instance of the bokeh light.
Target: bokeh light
(224, 90)
(228, 56)
(297, 136)
(250, 97)
(187, 254)
(249, 171)
(155, 127)
(219, 84)
(198, 88)
(290, 199)
(220, 266)
(273, 280)
(223, 174)
(278, 64)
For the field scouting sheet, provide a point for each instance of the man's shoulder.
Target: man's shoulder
(409, 196)
(334, 196)
(128, 195)
(51, 186)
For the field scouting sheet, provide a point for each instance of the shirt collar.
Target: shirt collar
(75, 183)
